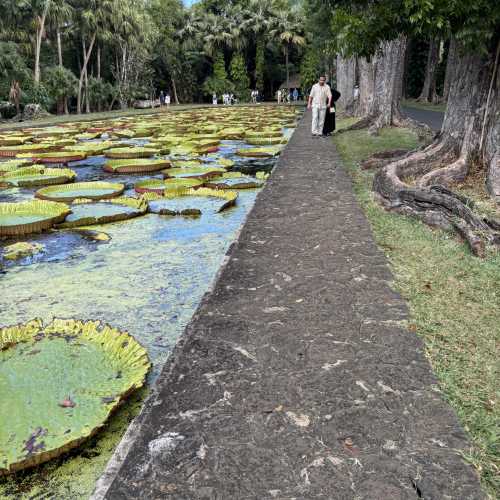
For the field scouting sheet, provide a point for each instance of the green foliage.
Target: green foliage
(100, 92)
(310, 69)
(239, 76)
(36, 93)
(260, 65)
(12, 67)
(60, 82)
(218, 82)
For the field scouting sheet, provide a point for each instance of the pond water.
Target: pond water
(146, 277)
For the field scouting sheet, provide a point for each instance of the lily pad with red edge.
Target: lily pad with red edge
(125, 152)
(136, 165)
(198, 172)
(60, 384)
(59, 157)
(38, 176)
(91, 190)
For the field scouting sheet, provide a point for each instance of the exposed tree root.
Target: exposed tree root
(435, 204)
(383, 158)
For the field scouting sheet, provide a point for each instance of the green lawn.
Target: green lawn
(413, 103)
(454, 301)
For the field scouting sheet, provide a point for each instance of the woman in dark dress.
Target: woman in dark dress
(329, 125)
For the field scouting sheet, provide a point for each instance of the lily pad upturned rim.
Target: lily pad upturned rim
(136, 165)
(47, 176)
(161, 186)
(118, 344)
(139, 205)
(49, 193)
(225, 194)
(124, 153)
(198, 172)
(55, 212)
(257, 152)
(60, 156)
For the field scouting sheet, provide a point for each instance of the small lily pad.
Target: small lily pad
(136, 165)
(159, 186)
(91, 190)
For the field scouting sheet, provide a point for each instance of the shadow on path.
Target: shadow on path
(296, 377)
(432, 118)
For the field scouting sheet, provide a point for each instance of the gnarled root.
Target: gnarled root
(378, 160)
(435, 204)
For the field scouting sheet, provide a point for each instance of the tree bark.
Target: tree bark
(447, 160)
(287, 69)
(59, 48)
(174, 90)
(83, 70)
(40, 28)
(346, 70)
(450, 68)
(429, 87)
(99, 62)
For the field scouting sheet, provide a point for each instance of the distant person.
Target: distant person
(295, 94)
(214, 99)
(320, 98)
(355, 92)
(329, 125)
(278, 96)
(257, 96)
(162, 99)
(167, 99)
(231, 98)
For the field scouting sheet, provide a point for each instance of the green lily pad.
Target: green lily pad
(18, 219)
(190, 201)
(136, 165)
(88, 212)
(11, 165)
(92, 190)
(234, 180)
(13, 151)
(258, 152)
(125, 153)
(263, 141)
(39, 176)
(59, 157)
(199, 172)
(160, 186)
(59, 385)
(91, 148)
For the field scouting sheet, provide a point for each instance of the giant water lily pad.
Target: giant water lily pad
(12, 151)
(159, 186)
(39, 176)
(11, 165)
(91, 190)
(18, 219)
(88, 212)
(263, 141)
(130, 152)
(59, 385)
(59, 156)
(136, 165)
(257, 152)
(91, 148)
(235, 180)
(198, 172)
(190, 201)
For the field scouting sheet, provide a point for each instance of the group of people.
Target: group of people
(164, 99)
(287, 95)
(322, 101)
(254, 96)
(227, 99)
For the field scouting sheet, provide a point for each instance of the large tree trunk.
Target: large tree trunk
(429, 87)
(346, 79)
(416, 184)
(99, 62)
(40, 29)
(86, 56)
(287, 69)
(450, 68)
(381, 89)
(174, 90)
(59, 48)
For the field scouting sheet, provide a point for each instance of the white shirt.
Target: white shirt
(320, 95)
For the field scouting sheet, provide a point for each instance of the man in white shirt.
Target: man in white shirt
(320, 98)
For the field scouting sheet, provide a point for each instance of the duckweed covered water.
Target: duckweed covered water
(147, 279)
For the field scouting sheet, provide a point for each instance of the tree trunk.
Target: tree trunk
(174, 90)
(40, 28)
(414, 184)
(66, 110)
(381, 89)
(450, 68)
(86, 55)
(99, 62)
(287, 69)
(429, 86)
(59, 47)
(346, 79)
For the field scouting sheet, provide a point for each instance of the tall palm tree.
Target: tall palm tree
(58, 18)
(288, 32)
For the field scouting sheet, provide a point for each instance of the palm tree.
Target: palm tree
(58, 18)
(287, 30)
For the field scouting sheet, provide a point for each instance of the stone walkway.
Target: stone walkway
(296, 377)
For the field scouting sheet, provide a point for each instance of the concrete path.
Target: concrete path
(432, 118)
(296, 378)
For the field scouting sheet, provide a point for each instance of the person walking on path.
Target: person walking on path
(214, 99)
(278, 96)
(320, 99)
(162, 99)
(167, 99)
(329, 125)
(295, 95)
